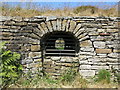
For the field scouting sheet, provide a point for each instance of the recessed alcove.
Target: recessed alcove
(59, 43)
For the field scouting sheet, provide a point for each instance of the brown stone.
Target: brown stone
(112, 30)
(6, 38)
(33, 54)
(35, 47)
(104, 34)
(103, 50)
(9, 23)
(85, 43)
(37, 65)
(25, 48)
(6, 34)
(37, 60)
(93, 33)
(116, 50)
(49, 70)
(20, 24)
(4, 27)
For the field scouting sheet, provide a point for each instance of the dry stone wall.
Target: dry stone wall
(98, 40)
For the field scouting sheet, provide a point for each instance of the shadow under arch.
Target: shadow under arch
(48, 44)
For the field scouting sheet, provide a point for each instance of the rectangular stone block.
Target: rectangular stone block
(77, 28)
(99, 44)
(59, 24)
(101, 30)
(87, 73)
(37, 65)
(67, 25)
(86, 53)
(82, 67)
(6, 34)
(41, 29)
(49, 26)
(37, 60)
(87, 49)
(54, 25)
(86, 43)
(103, 50)
(34, 54)
(81, 35)
(99, 67)
(116, 50)
(25, 48)
(35, 47)
(64, 22)
(4, 27)
(44, 27)
(72, 26)
(20, 23)
(114, 55)
(112, 30)
(93, 33)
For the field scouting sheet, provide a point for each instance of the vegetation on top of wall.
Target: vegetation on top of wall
(80, 9)
(33, 10)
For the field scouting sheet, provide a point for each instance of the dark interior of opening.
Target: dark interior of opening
(71, 46)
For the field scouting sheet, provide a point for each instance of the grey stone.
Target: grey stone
(101, 30)
(29, 60)
(102, 55)
(23, 62)
(37, 60)
(49, 26)
(55, 58)
(83, 62)
(84, 38)
(97, 38)
(54, 25)
(112, 60)
(93, 33)
(82, 67)
(40, 16)
(59, 24)
(78, 28)
(35, 54)
(87, 49)
(87, 53)
(51, 18)
(4, 18)
(99, 44)
(114, 55)
(99, 67)
(87, 73)
(86, 44)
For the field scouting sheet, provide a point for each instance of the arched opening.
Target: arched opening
(59, 43)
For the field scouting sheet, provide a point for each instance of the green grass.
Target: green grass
(103, 76)
(70, 79)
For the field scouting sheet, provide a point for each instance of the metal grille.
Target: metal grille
(67, 44)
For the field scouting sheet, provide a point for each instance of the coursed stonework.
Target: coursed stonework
(98, 38)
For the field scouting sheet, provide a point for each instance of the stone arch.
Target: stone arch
(65, 25)
(71, 43)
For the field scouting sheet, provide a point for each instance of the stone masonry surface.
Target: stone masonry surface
(98, 37)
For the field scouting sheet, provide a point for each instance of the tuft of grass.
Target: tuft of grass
(103, 76)
(70, 79)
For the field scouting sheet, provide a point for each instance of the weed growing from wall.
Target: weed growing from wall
(10, 66)
(103, 76)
